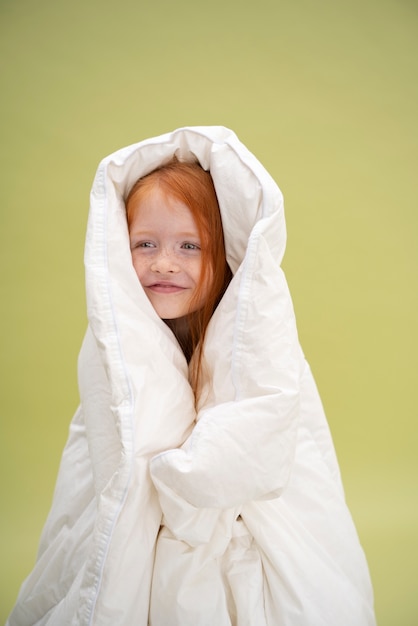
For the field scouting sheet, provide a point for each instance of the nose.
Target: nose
(165, 263)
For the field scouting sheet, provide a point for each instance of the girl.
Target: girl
(199, 484)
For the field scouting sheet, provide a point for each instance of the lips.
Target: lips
(165, 288)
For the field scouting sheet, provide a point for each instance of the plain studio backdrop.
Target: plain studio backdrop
(326, 95)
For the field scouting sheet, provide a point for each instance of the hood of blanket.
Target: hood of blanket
(245, 190)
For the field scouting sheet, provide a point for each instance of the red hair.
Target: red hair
(189, 183)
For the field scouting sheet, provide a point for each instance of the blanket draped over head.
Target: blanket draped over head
(231, 515)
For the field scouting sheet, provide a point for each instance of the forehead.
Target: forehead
(153, 208)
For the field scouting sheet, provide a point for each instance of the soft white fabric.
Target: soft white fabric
(234, 516)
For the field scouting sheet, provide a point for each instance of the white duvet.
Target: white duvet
(161, 516)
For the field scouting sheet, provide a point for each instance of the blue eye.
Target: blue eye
(190, 246)
(142, 245)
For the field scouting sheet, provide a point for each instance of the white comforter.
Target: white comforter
(231, 516)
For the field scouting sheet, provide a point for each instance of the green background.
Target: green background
(325, 94)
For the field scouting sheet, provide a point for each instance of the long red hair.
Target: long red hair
(189, 183)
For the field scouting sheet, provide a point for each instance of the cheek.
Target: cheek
(195, 270)
(138, 267)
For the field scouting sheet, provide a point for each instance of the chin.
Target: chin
(170, 315)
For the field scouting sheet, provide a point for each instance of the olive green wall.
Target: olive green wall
(325, 93)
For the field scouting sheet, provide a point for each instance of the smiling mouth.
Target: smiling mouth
(165, 288)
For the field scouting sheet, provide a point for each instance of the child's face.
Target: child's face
(166, 254)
